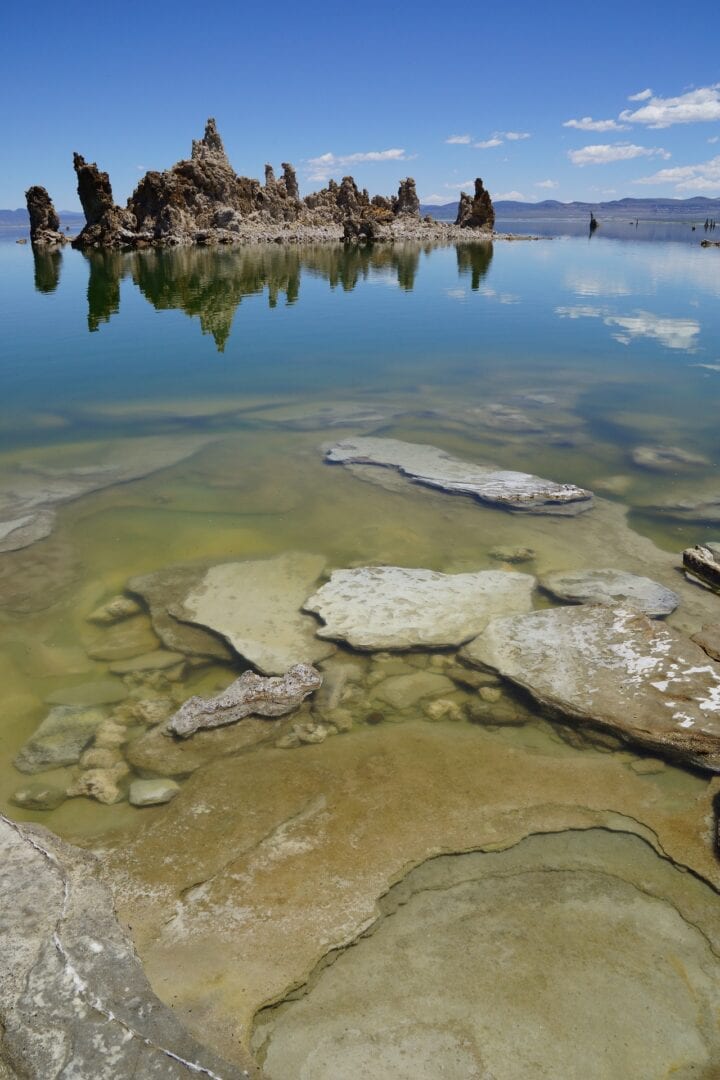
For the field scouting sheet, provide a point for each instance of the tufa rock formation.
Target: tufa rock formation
(203, 201)
(44, 221)
(478, 212)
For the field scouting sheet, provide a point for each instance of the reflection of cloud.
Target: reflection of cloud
(456, 294)
(587, 283)
(672, 333)
(579, 311)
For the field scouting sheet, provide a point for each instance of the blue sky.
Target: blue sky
(381, 91)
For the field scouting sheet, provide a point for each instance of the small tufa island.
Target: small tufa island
(203, 201)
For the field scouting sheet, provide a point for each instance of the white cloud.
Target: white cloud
(642, 95)
(435, 200)
(547, 184)
(509, 196)
(702, 177)
(605, 153)
(487, 144)
(693, 107)
(459, 139)
(588, 124)
(713, 138)
(514, 136)
(459, 187)
(330, 160)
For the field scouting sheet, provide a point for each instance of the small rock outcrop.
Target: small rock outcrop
(611, 587)
(250, 695)
(44, 220)
(477, 212)
(702, 563)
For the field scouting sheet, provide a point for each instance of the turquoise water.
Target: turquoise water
(556, 356)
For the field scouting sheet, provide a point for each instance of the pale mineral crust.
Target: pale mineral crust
(391, 607)
(250, 695)
(432, 467)
(612, 670)
(74, 1000)
(607, 586)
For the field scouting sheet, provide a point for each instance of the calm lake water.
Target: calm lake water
(560, 357)
(557, 357)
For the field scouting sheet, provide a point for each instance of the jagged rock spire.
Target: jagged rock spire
(44, 221)
(478, 212)
(211, 145)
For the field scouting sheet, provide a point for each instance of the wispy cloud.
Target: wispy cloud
(586, 123)
(696, 106)
(488, 144)
(704, 176)
(435, 200)
(509, 196)
(464, 184)
(514, 136)
(460, 140)
(642, 95)
(324, 166)
(713, 138)
(605, 153)
(547, 184)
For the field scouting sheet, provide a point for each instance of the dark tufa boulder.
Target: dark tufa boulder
(44, 221)
(478, 212)
(106, 225)
(407, 201)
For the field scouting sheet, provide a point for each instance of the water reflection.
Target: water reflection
(47, 265)
(210, 285)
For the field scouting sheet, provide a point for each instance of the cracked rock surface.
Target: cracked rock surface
(614, 670)
(74, 1001)
(391, 607)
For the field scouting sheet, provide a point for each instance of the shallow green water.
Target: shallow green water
(266, 353)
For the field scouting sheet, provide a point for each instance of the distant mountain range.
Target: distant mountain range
(18, 219)
(696, 209)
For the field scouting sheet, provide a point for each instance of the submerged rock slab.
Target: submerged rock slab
(557, 938)
(612, 670)
(74, 1000)
(255, 605)
(166, 588)
(611, 587)
(248, 695)
(30, 493)
(60, 738)
(391, 607)
(285, 853)
(428, 465)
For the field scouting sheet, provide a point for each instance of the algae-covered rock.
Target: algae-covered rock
(60, 739)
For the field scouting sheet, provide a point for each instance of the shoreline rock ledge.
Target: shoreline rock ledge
(612, 670)
(74, 1000)
(427, 465)
(201, 200)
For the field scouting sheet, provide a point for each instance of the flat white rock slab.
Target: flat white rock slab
(390, 607)
(256, 605)
(611, 587)
(616, 670)
(428, 465)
